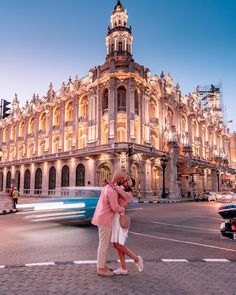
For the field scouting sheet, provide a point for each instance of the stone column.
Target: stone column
(130, 98)
(4, 179)
(48, 138)
(174, 192)
(75, 123)
(58, 167)
(36, 138)
(112, 110)
(92, 116)
(99, 114)
(214, 181)
(16, 140)
(25, 144)
(22, 178)
(148, 178)
(45, 178)
(62, 122)
(141, 116)
(146, 114)
(32, 178)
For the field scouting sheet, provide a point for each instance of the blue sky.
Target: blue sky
(49, 40)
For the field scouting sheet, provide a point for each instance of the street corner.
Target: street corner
(7, 211)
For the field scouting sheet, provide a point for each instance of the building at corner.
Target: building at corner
(117, 117)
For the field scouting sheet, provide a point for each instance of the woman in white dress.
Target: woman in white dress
(119, 234)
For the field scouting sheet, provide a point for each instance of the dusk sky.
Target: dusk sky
(49, 40)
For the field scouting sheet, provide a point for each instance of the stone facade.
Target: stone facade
(81, 133)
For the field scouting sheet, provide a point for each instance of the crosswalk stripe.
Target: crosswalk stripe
(174, 260)
(40, 263)
(216, 260)
(85, 262)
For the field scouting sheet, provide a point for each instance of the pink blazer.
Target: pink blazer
(107, 205)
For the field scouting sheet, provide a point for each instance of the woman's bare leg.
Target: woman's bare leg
(122, 259)
(126, 251)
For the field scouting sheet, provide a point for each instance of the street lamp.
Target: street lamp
(163, 161)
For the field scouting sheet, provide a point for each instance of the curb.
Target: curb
(7, 211)
(164, 201)
(92, 262)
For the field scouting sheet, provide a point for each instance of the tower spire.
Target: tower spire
(119, 37)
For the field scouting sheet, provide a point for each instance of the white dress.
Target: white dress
(118, 234)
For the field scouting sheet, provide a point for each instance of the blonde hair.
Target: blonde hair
(119, 176)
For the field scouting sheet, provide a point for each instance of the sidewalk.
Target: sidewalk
(154, 200)
(161, 278)
(6, 205)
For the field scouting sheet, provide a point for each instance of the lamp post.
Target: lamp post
(163, 161)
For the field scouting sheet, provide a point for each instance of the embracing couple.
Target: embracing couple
(114, 198)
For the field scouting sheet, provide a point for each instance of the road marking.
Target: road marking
(85, 262)
(204, 217)
(40, 264)
(174, 260)
(183, 242)
(184, 226)
(216, 260)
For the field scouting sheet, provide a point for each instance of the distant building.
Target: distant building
(81, 133)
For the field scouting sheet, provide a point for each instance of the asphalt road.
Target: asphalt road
(159, 231)
(175, 240)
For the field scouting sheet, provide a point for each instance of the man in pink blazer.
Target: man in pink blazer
(103, 217)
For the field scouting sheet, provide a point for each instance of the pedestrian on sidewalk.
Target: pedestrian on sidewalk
(119, 234)
(15, 196)
(103, 217)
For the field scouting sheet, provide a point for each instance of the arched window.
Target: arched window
(83, 107)
(42, 122)
(1, 181)
(13, 132)
(31, 126)
(52, 178)
(105, 101)
(153, 110)
(56, 117)
(69, 112)
(136, 103)
(112, 47)
(65, 175)
(38, 181)
(4, 135)
(8, 184)
(121, 99)
(80, 175)
(121, 134)
(27, 182)
(22, 129)
(120, 46)
(105, 173)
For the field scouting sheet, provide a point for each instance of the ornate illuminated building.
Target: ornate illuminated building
(80, 133)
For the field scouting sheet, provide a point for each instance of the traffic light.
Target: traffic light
(130, 149)
(5, 108)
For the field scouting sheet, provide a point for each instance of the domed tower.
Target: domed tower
(119, 37)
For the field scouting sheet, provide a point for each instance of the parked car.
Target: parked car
(226, 196)
(228, 228)
(206, 196)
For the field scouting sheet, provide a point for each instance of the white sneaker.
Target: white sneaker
(120, 271)
(139, 264)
